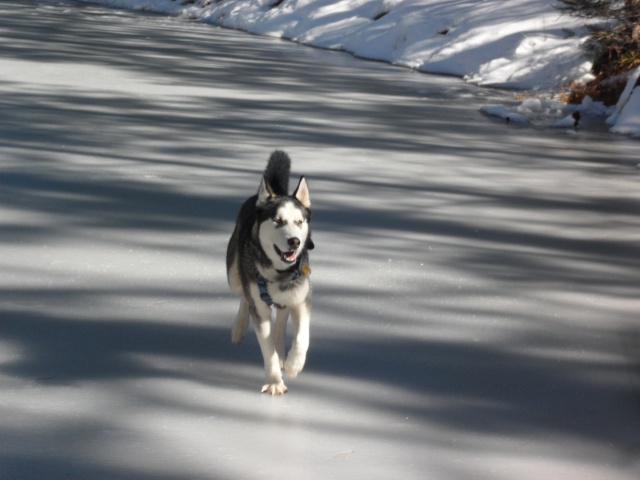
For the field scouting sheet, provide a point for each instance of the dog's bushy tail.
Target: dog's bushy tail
(277, 172)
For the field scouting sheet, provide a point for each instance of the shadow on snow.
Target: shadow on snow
(482, 387)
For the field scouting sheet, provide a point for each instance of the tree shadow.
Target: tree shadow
(73, 331)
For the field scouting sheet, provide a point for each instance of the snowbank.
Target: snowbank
(527, 44)
(626, 119)
(521, 44)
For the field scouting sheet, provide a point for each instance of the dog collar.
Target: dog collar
(301, 270)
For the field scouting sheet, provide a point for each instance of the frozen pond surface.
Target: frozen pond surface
(476, 285)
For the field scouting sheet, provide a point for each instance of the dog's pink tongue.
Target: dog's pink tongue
(290, 256)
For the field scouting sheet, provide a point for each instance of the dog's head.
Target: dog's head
(284, 223)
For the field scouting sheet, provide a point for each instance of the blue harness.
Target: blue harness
(262, 286)
(263, 282)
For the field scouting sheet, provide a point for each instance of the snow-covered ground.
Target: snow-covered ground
(475, 285)
(626, 117)
(521, 44)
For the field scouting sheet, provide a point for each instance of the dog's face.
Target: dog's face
(283, 224)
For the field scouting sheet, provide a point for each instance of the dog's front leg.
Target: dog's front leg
(300, 317)
(262, 324)
(282, 315)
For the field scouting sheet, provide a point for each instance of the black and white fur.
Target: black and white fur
(271, 242)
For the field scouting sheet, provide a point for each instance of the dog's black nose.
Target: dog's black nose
(294, 242)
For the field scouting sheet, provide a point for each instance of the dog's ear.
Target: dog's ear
(302, 193)
(264, 193)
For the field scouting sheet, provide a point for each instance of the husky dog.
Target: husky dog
(268, 264)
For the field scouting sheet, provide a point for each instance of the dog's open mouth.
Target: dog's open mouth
(289, 257)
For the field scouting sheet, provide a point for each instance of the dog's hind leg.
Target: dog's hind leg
(242, 322)
(300, 317)
(282, 315)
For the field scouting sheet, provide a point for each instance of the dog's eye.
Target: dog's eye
(279, 221)
(299, 222)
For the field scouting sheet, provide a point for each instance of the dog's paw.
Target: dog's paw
(294, 365)
(274, 388)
